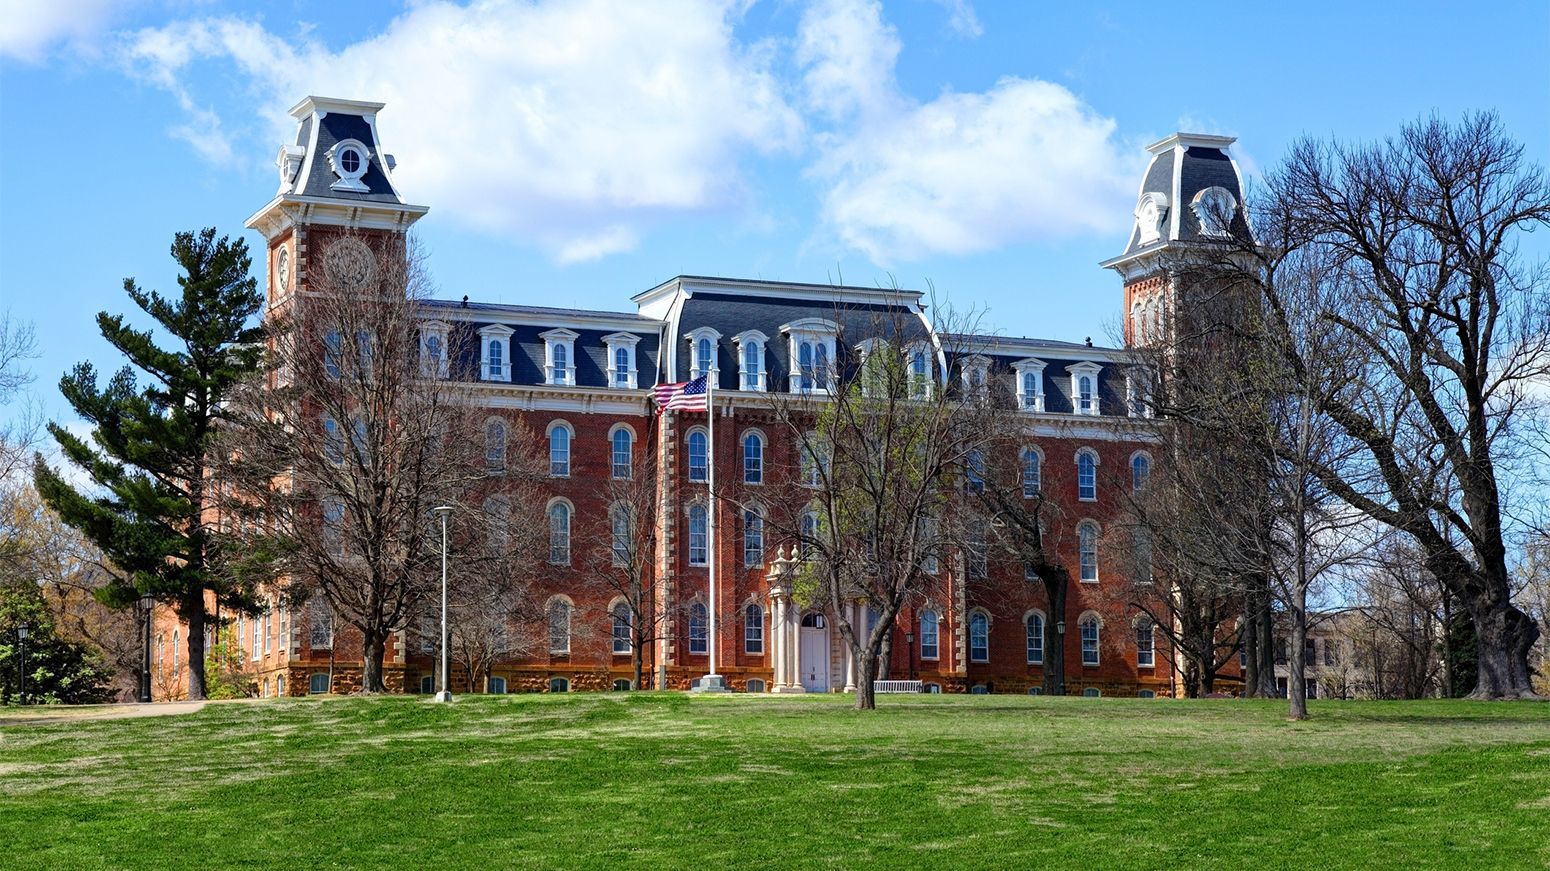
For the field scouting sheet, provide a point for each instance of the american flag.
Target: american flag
(685, 395)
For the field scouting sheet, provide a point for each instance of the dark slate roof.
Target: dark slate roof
(1057, 378)
(1201, 166)
(992, 342)
(528, 352)
(731, 314)
(335, 127)
(559, 315)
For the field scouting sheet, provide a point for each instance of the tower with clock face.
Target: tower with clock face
(1191, 195)
(336, 189)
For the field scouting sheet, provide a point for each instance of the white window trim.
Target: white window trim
(1088, 523)
(439, 329)
(612, 431)
(693, 338)
(1086, 367)
(929, 353)
(921, 637)
(487, 335)
(1143, 621)
(570, 446)
(969, 635)
(689, 534)
(742, 455)
(967, 367)
(627, 341)
(1097, 648)
(1130, 466)
(1097, 462)
(818, 331)
(1043, 633)
(349, 181)
(613, 607)
(1023, 367)
(1038, 452)
(565, 377)
(570, 531)
(689, 457)
(756, 339)
(570, 624)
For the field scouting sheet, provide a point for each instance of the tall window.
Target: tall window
(697, 533)
(560, 370)
(704, 356)
(753, 364)
(753, 459)
(1089, 627)
(1140, 471)
(821, 365)
(1031, 473)
(622, 445)
(622, 366)
(813, 462)
(559, 534)
(1141, 537)
(1084, 394)
(333, 526)
(320, 629)
(978, 555)
(623, 537)
(1035, 629)
(1030, 391)
(559, 451)
(974, 470)
(495, 446)
(333, 346)
(928, 635)
(434, 355)
(1086, 475)
(753, 538)
(753, 630)
(621, 631)
(805, 363)
(920, 374)
(559, 626)
(699, 458)
(496, 360)
(1146, 650)
(560, 354)
(1087, 550)
(698, 633)
(979, 637)
(809, 531)
(333, 441)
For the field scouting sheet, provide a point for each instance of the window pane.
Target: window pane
(1035, 639)
(753, 539)
(697, 532)
(621, 460)
(697, 628)
(928, 635)
(559, 451)
(1087, 546)
(753, 630)
(698, 460)
(1086, 476)
(753, 459)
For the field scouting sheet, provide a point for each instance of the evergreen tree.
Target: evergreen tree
(151, 440)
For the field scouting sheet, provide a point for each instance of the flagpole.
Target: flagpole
(710, 459)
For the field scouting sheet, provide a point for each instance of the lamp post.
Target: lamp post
(445, 695)
(1060, 630)
(21, 637)
(147, 603)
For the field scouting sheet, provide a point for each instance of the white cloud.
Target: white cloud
(30, 29)
(567, 125)
(962, 173)
(961, 18)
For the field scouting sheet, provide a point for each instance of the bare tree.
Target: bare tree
(355, 434)
(621, 563)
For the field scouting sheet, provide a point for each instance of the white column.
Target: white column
(776, 659)
(793, 653)
(850, 658)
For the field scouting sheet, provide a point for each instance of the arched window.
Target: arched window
(1092, 693)
(1036, 691)
(805, 364)
(497, 686)
(623, 544)
(753, 458)
(979, 637)
(176, 644)
(622, 685)
(1140, 471)
(699, 456)
(821, 365)
(622, 366)
(974, 470)
(698, 518)
(333, 441)
(622, 644)
(929, 648)
(427, 684)
(1084, 394)
(753, 538)
(698, 633)
(809, 532)
(1032, 469)
(560, 354)
(755, 685)
(1086, 475)
(622, 449)
(1087, 550)
(559, 685)
(753, 630)
(559, 451)
(333, 346)
(920, 374)
(704, 362)
(1090, 627)
(559, 626)
(559, 534)
(1034, 624)
(434, 364)
(1146, 694)
(495, 446)
(320, 624)
(1146, 648)
(333, 526)
(317, 683)
(497, 359)
(753, 363)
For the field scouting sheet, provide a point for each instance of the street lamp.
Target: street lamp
(146, 604)
(444, 511)
(909, 645)
(21, 636)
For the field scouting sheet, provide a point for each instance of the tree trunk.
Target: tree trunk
(1296, 680)
(1055, 640)
(637, 664)
(192, 611)
(1249, 639)
(1191, 676)
(1505, 636)
(373, 649)
(866, 700)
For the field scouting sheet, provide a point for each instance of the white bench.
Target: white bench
(897, 686)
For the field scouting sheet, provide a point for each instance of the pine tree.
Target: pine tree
(151, 440)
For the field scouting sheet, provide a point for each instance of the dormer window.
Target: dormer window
(495, 353)
(1084, 388)
(975, 372)
(920, 371)
(812, 350)
(874, 362)
(1030, 384)
(621, 360)
(559, 357)
(702, 351)
(349, 159)
(433, 349)
(751, 373)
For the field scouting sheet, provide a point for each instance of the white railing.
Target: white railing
(880, 687)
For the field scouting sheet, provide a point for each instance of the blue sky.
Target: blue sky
(576, 153)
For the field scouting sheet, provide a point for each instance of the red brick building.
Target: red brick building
(583, 380)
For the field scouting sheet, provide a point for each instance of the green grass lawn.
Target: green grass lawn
(647, 780)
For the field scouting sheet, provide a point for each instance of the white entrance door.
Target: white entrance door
(815, 654)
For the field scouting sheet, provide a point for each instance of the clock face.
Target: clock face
(282, 268)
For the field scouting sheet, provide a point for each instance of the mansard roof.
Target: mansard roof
(1185, 167)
